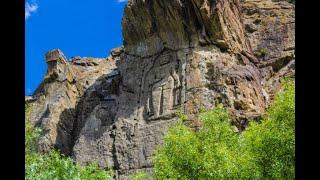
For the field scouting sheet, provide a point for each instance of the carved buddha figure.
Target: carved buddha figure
(165, 94)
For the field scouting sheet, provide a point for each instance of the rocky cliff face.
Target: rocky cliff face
(178, 55)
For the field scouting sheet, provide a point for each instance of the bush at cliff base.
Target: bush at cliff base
(265, 150)
(53, 165)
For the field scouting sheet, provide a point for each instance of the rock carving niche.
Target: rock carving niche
(177, 86)
(164, 87)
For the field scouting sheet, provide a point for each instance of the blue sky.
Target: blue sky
(77, 27)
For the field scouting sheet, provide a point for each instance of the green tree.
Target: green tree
(272, 142)
(264, 151)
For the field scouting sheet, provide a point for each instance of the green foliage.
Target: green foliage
(140, 175)
(54, 165)
(209, 154)
(178, 155)
(263, 151)
(262, 52)
(181, 115)
(272, 142)
(223, 156)
(31, 134)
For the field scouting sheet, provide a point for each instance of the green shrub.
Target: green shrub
(31, 134)
(53, 165)
(178, 155)
(181, 115)
(263, 151)
(209, 154)
(140, 175)
(273, 142)
(262, 52)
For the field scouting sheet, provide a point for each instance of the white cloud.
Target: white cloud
(29, 9)
(120, 1)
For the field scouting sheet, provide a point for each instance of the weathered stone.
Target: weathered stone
(116, 51)
(28, 99)
(176, 24)
(275, 33)
(177, 56)
(55, 100)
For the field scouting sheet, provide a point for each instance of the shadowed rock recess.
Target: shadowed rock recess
(178, 55)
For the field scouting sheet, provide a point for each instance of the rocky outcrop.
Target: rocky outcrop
(178, 55)
(270, 28)
(151, 26)
(54, 102)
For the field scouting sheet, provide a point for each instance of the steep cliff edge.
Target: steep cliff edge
(178, 55)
